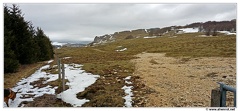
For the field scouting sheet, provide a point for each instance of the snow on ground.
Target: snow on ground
(172, 37)
(25, 89)
(78, 81)
(128, 92)
(190, 30)
(147, 37)
(227, 32)
(111, 37)
(50, 61)
(67, 57)
(120, 50)
(146, 31)
(126, 80)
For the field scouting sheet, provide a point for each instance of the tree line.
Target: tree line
(22, 43)
(207, 27)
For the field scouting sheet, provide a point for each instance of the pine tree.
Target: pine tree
(23, 43)
(44, 43)
(11, 63)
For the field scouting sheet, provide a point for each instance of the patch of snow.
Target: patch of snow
(67, 57)
(24, 87)
(127, 82)
(128, 78)
(205, 36)
(146, 31)
(128, 92)
(128, 97)
(102, 41)
(202, 35)
(121, 50)
(147, 37)
(54, 66)
(172, 37)
(77, 65)
(50, 61)
(78, 81)
(190, 30)
(51, 77)
(231, 33)
(227, 32)
(111, 37)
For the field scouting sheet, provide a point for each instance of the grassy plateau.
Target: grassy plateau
(113, 66)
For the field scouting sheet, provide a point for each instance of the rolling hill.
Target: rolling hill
(209, 26)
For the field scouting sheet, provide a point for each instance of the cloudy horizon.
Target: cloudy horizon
(82, 22)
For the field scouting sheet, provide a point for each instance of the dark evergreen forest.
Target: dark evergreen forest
(23, 44)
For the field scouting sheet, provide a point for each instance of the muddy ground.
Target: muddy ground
(183, 82)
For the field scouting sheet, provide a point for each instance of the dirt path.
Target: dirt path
(183, 82)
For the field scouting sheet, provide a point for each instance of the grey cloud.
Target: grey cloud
(81, 22)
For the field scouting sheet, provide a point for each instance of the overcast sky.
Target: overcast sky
(82, 22)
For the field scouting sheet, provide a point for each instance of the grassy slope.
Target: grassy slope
(113, 66)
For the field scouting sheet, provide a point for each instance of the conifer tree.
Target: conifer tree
(11, 63)
(22, 44)
(44, 43)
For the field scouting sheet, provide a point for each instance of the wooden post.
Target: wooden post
(63, 78)
(215, 98)
(59, 69)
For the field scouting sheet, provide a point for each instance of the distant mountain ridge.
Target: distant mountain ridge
(140, 33)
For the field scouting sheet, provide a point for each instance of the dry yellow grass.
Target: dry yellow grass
(11, 79)
(114, 66)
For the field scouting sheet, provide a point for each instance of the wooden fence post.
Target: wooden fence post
(215, 98)
(59, 69)
(63, 77)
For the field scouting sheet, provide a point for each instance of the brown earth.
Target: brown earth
(183, 81)
(47, 100)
